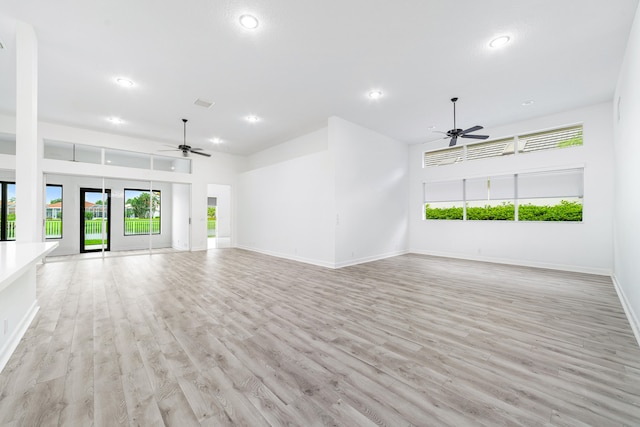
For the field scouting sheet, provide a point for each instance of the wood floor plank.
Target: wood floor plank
(230, 337)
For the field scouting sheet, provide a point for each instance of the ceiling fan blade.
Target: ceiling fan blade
(196, 149)
(473, 129)
(175, 149)
(202, 154)
(454, 139)
(475, 136)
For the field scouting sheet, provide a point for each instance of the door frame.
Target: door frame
(83, 192)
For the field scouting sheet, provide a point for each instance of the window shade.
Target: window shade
(476, 189)
(502, 187)
(444, 191)
(560, 183)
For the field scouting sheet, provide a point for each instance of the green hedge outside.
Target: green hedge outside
(565, 211)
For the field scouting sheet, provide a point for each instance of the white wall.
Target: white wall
(334, 197)
(626, 265)
(285, 201)
(585, 246)
(180, 227)
(371, 192)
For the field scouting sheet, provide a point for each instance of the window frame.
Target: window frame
(517, 200)
(124, 213)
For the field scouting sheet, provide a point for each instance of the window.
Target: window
(53, 212)
(490, 198)
(558, 138)
(444, 200)
(547, 140)
(541, 196)
(551, 196)
(60, 150)
(447, 156)
(484, 150)
(7, 211)
(141, 212)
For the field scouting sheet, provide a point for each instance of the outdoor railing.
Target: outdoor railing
(11, 230)
(53, 229)
(134, 226)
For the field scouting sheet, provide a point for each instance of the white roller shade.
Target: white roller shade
(476, 189)
(502, 187)
(560, 183)
(443, 191)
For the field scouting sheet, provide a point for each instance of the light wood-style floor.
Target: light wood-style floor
(230, 337)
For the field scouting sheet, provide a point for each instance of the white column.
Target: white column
(28, 148)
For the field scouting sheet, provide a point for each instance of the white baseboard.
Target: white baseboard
(550, 266)
(13, 341)
(322, 263)
(319, 263)
(369, 259)
(628, 310)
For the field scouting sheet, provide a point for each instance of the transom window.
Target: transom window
(526, 143)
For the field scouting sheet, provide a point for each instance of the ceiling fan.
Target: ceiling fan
(186, 149)
(456, 133)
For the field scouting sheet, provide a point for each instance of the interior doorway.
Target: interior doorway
(95, 226)
(212, 241)
(218, 225)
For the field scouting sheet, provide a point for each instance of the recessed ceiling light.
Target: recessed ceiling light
(499, 41)
(528, 102)
(252, 119)
(249, 22)
(116, 120)
(124, 82)
(375, 94)
(216, 140)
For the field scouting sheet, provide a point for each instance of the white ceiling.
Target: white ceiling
(309, 60)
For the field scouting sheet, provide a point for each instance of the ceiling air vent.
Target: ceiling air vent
(202, 103)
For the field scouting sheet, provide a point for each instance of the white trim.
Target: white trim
(628, 310)
(319, 263)
(324, 264)
(370, 259)
(13, 341)
(550, 266)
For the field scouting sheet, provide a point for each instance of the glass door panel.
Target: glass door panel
(95, 211)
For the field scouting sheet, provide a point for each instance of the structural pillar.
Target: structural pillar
(28, 148)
